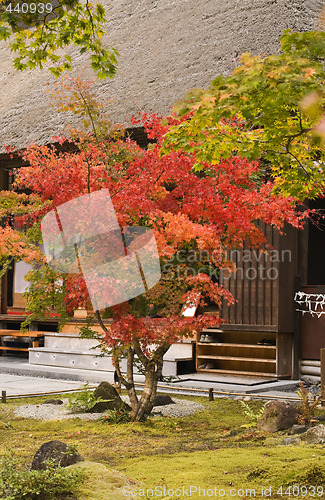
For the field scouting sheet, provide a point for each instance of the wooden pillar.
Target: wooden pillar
(3, 295)
(3, 286)
(296, 336)
(322, 373)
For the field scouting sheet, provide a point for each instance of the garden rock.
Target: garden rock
(298, 429)
(290, 440)
(315, 435)
(55, 450)
(277, 416)
(53, 402)
(162, 400)
(107, 391)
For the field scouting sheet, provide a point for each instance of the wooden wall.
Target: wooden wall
(264, 286)
(312, 329)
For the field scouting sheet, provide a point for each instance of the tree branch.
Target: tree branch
(100, 321)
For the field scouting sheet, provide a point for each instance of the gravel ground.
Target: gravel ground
(59, 412)
(312, 384)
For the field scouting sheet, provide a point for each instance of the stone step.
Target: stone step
(68, 341)
(88, 360)
(180, 351)
(70, 359)
(72, 342)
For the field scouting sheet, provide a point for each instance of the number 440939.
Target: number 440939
(29, 8)
(300, 491)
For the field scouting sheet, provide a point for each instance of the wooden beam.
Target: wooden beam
(322, 374)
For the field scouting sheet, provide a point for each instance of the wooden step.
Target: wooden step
(212, 330)
(227, 344)
(243, 372)
(237, 358)
(18, 333)
(3, 348)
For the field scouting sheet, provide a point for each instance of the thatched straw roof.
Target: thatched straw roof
(166, 47)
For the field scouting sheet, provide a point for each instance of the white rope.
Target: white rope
(312, 302)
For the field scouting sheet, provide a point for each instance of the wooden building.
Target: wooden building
(264, 334)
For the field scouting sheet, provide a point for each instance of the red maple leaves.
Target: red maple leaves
(217, 207)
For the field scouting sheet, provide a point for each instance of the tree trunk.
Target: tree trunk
(129, 381)
(153, 371)
(144, 406)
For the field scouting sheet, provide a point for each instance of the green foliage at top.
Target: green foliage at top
(77, 96)
(266, 110)
(38, 36)
(18, 483)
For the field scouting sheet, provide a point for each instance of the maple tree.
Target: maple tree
(267, 109)
(38, 30)
(188, 210)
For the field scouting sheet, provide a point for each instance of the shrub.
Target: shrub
(307, 406)
(120, 416)
(249, 413)
(18, 483)
(84, 401)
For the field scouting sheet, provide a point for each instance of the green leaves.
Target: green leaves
(37, 37)
(306, 44)
(45, 294)
(17, 481)
(84, 401)
(259, 112)
(4, 32)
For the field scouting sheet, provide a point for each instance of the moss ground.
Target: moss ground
(209, 449)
